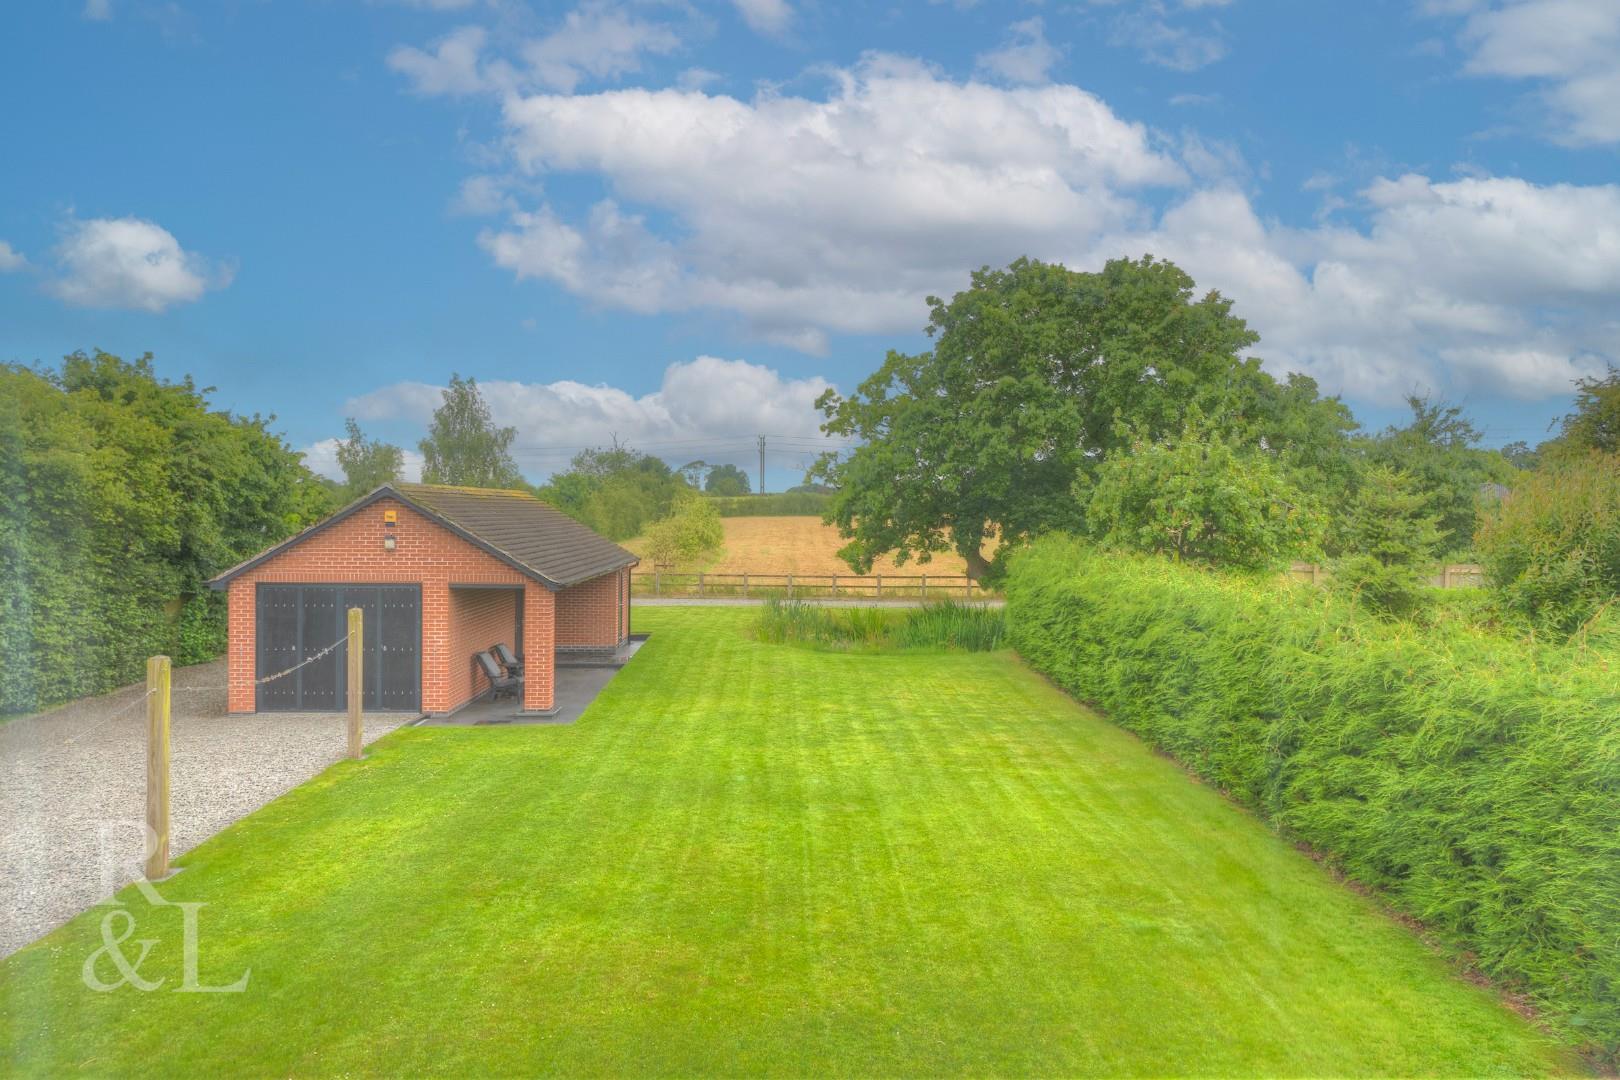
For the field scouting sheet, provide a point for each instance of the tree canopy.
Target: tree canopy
(366, 463)
(615, 490)
(1197, 497)
(727, 480)
(1439, 453)
(1036, 374)
(463, 445)
(1595, 423)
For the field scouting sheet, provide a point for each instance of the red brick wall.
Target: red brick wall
(351, 552)
(592, 613)
(478, 619)
(539, 643)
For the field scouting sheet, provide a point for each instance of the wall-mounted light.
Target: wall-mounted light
(388, 543)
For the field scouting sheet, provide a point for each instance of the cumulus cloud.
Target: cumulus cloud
(706, 407)
(129, 263)
(1482, 285)
(816, 213)
(769, 17)
(10, 258)
(1571, 48)
(1026, 56)
(805, 215)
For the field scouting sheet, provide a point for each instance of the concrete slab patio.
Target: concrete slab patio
(576, 686)
(73, 788)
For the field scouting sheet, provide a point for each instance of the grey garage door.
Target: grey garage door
(298, 621)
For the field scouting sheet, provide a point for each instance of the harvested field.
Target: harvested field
(797, 545)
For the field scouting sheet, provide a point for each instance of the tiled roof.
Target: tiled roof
(513, 526)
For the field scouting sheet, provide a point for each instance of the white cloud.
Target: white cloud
(1151, 29)
(129, 263)
(321, 457)
(598, 41)
(706, 407)
(1026, 56)
(481, 196)
(1494, 286)
(808, 215)
(594, 41)
(769, 17)
(97, 10)
(1570, 47)
(451, 68)
(10, 258)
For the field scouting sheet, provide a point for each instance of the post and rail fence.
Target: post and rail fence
(1451, 575)
(670, 583)
(704, 584)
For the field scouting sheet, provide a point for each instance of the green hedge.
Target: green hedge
(1473, 778)
(120, 494)
(782, 504)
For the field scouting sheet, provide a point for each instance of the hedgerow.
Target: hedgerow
(1471, 777)
(120, 494)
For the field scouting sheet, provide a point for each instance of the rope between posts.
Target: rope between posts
(109, 718)
(302, 663)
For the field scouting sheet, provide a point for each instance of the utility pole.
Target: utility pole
(762, 464)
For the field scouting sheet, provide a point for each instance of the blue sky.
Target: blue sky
(676, 223)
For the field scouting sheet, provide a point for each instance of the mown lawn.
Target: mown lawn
(750, 858)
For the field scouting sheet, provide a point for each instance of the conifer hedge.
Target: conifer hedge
(1472, 777)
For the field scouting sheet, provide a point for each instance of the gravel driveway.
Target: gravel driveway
(73, 788)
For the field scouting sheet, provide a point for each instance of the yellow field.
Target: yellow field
(796, 545)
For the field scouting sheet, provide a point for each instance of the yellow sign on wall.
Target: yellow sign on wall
(390, 516)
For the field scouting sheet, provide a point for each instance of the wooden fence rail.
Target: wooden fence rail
(807, 586)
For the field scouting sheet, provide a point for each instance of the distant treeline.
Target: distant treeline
(782, 504)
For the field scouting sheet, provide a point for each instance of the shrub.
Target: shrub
(1197, 497)
(1552, 547)
(1392, 539)
(691, 531)
(1471, 777)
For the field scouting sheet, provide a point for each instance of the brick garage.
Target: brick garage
(442, 573)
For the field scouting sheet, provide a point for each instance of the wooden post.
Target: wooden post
(880, 586)
(658, 582)
(967, 588)
(157, 767)
(745, 586)
(925, 587)
(790, 586)
(700, 583)
(835, 586)
(357, 682)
